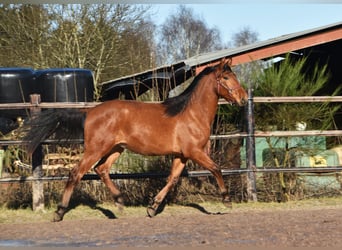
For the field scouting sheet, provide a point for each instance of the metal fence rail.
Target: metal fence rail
(189, 174)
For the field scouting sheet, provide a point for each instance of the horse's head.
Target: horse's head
(228, 85)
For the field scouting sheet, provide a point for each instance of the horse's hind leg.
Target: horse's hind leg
(102, 169)
(176, 170)
(75, 176)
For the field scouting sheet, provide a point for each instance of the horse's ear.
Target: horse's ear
(222, 63)
(225, 61)
(229, 61)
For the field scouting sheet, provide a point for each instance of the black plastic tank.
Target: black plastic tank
(65, 85)
(16, 85)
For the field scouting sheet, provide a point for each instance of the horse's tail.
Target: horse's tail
(63, 123)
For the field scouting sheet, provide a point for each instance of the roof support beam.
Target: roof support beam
(288, 46)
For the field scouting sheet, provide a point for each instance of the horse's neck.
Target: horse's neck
(205, 101)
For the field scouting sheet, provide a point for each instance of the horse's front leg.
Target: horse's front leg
(205, 161)
(176, 170)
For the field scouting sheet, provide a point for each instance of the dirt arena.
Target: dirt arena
(193, 225)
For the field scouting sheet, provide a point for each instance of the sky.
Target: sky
(269, 20)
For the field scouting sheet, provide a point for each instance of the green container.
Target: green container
(324, 159)
(323, 181)
(263, 152)
(319, 181)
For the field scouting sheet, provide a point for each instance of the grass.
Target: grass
(108, 210)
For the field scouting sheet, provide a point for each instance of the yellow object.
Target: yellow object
(318, 161)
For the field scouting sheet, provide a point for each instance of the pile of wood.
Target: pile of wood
(62, 159)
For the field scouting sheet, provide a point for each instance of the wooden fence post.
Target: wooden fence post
(37, 159)
(250, 149)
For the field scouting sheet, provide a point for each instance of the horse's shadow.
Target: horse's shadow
(192, 205)
(198, 207)
(87, 200)
(202, 209)
(93, 204)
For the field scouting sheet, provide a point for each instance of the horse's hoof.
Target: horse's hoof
(227, 202)
(119, 206)
(57, 217)
(119, 203)
(151, 212)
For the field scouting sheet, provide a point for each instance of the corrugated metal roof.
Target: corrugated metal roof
(176, 71)
(214, 56)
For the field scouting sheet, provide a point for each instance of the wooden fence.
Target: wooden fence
(37, 177)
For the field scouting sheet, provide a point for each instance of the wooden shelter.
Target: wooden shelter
(322, 45)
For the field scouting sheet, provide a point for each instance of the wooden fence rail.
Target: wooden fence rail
(279, 99)
(213, 137)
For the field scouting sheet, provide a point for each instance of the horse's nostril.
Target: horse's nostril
(243, 101)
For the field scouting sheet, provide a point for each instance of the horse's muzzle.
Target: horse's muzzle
(243, 102)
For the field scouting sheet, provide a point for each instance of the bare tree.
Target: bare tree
(23, 35)
(244, 37)
(102, 38)
(246, 71)
(184, 35)
(110, 40)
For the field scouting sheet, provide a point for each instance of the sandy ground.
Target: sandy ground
(185, 226)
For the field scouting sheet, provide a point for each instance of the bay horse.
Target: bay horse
(179, 126)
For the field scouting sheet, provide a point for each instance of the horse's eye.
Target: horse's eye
(225, 78)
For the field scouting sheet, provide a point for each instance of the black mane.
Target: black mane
(177, 104)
